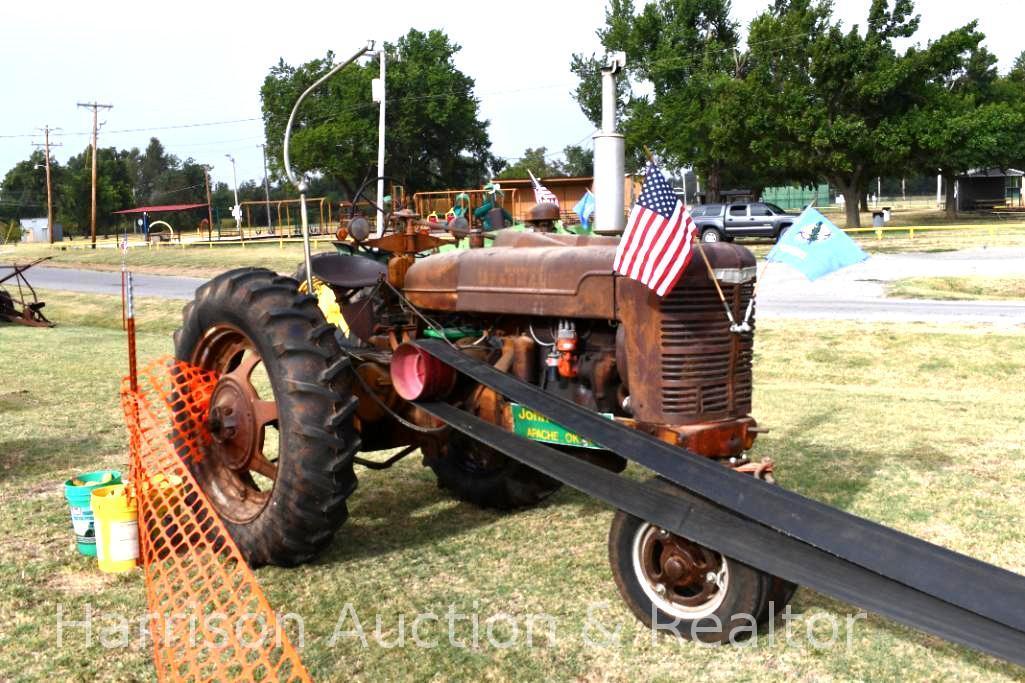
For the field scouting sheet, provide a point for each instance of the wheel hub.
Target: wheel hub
(237, 420)
(232, 422)
(684, 574)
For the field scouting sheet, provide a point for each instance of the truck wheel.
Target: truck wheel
(481, 475)
(280, 510)
(675, 585)
(711, 235)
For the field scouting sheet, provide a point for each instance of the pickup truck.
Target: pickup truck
(718, 222)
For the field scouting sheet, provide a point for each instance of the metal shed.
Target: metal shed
(37, 230)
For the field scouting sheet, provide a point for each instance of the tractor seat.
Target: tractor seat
(342, 270)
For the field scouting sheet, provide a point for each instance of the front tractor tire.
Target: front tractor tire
(280, 510)
(481, 475)
(679, 587)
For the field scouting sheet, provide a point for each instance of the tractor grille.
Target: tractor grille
(706, 369)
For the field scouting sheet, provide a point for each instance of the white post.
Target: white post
(879, 190)
(380, 148)
(609, 156)
(939, 190)
(236, 210)
(266, 190)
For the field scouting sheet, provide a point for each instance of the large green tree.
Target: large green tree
(680, 96)
(974, 120)
(844, 103)
(435, 136)
(114, 189)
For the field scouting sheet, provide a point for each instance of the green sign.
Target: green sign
(537, 427)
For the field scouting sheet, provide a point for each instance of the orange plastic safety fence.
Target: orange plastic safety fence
(209, 620)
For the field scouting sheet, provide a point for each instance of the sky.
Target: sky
(176, 64)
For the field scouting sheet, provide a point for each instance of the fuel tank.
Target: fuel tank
(526, 273)
(544, 274)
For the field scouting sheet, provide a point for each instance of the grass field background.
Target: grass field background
(917, 426)
(979, 287)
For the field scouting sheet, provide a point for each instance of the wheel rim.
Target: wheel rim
(680, 577)
(236, 473)
(710, 236)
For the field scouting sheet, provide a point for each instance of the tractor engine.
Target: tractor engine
(556, 315)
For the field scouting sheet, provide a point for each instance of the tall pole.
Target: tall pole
(209, 206)
(266, 190)
(49, 186)
(92, 214)
(236, 210)
(380, 148)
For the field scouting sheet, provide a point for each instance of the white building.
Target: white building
(37, 230)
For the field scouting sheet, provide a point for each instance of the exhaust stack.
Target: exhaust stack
(609, 156)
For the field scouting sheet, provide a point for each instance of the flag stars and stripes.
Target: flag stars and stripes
(656, 245)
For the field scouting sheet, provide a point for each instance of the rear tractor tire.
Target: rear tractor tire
(280, 510)
(481, 475)
(679, 587)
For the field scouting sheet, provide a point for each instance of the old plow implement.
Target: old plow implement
(18, 300)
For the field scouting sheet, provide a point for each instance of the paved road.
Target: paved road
(109, 282)
(855, 293)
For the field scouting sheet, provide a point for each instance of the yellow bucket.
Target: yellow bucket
(117, 528)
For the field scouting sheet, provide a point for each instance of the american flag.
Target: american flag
(542, 195)
(656, 244)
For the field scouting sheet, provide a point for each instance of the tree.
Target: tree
(151, 165)
(848, 106)
(114, 188)
(972, 121)
(684, 51)
(535, 161)
(434, 139)
(23, 190)
(579, 161)
(1017, 73)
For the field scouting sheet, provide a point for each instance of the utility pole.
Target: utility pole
(266, 190)
(92, 215)
(49, 188)
(379, 96)
(209, 206)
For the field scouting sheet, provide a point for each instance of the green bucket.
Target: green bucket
(78, 490)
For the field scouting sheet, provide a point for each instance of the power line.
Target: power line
(148, 129)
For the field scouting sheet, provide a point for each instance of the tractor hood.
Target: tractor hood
(543, 274)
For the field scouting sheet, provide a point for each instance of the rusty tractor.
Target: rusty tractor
(524, 363)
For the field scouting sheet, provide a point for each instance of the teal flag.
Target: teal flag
(816, 247)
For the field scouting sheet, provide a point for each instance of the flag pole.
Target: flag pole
(711, 272)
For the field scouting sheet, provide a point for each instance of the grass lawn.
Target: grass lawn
(917, 426)
(958, 288)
